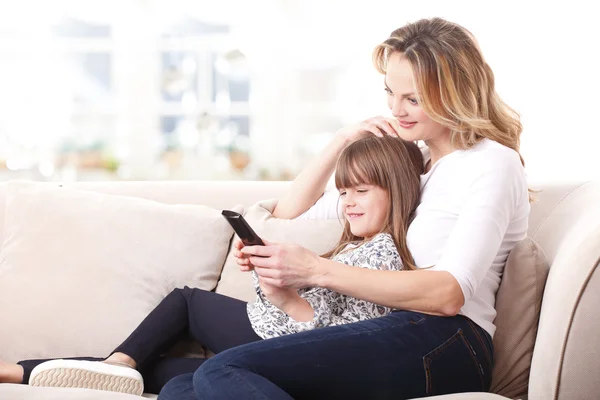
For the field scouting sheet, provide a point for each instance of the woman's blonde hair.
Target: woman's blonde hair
(395, 166)
(454, 83)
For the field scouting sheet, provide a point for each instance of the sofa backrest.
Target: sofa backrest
(216, 194)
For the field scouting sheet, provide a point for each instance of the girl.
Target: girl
(378, 182)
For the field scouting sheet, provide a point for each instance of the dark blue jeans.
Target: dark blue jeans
(218, 322)
(400, 356)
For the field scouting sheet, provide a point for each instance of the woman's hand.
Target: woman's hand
(377, 126)
(284, 265)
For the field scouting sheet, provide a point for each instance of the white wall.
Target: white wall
(544, 55)
(311, 70)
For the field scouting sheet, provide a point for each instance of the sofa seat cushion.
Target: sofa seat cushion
(80, 270)
(26, 392)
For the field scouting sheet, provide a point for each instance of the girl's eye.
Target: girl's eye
(342, 193)
(414, 102)
(388, 91)
(361, 191)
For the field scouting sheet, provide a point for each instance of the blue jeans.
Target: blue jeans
(186, 311)
(403, 355)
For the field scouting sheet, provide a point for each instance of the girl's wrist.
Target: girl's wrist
(299, 309)
(322, 273)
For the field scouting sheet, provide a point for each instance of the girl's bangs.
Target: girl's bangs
(354, 173)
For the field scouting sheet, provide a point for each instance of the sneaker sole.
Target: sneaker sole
(87, 375)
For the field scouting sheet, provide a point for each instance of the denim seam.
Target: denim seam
(472, 353)
(478, 336)
(427, 359)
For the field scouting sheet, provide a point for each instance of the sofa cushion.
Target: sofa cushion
(518, 304)
(80, 270)
(319, 236)
(26, 392)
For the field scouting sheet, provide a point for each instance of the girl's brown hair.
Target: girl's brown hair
(455, 85)
(394, 165)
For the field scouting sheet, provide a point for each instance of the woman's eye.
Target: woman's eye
(414, 102)
(361, 191)
(342, 193)
(388, 91)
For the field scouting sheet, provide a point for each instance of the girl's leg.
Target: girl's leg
(218, 322)
(403, 355)
(29, 365)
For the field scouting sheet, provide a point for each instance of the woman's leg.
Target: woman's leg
(403, 355)
(179, 388)
(218, 322)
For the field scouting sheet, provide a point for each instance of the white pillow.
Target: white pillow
(317, 235)
(79, 270)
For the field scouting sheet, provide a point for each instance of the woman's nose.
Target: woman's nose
(398, 109)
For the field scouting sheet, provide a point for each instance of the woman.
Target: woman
(474, 208)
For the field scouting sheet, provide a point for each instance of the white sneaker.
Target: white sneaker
(88, 375)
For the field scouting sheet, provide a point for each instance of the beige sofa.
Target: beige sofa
(565, 222)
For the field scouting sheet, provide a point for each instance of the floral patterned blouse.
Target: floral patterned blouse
(331, 308)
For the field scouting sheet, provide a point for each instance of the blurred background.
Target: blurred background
(251, 90)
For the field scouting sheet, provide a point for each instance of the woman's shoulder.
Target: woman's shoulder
(489, 160)
(490, 152)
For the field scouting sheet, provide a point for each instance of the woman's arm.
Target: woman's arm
(310, 184)
(431, 292)
(444, 288)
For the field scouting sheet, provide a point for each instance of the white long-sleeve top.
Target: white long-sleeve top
(330, 308)
(474, 208)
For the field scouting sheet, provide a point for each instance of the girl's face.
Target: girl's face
(402, 101)
(365, 207)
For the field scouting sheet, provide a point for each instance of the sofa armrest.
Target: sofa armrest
(565, 359)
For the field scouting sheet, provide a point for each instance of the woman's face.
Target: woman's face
(402, 101)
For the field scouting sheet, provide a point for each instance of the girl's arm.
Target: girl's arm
(310, 184)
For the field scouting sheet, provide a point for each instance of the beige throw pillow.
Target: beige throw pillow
(319, 236)
(80, 270)
(518, 305)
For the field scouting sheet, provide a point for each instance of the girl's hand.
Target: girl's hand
(242, 259)
(284, 265)
(279, 297)
(377, 126)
